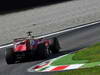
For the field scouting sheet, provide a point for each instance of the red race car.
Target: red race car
(26, 48)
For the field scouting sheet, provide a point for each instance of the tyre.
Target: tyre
(9, 55)
(42, 52)
(55, 47)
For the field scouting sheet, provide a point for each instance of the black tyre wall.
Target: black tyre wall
(55, 47)
(9, 56)
(41, 52)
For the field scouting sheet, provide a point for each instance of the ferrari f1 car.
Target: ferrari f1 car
(26, 48)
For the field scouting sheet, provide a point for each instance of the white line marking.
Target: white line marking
(6, 46)
(67, 30)
(49, 68)
(70, 67)
(74, 66)
(51, 34)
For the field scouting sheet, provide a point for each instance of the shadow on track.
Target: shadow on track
(54, 55)
(66, 52)
(10, 6)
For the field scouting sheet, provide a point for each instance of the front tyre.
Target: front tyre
(9, 56)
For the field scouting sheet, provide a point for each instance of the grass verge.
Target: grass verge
(92, 54)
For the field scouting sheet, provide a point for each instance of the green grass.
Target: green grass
(86, 71)
(67, 60)
(92, 54)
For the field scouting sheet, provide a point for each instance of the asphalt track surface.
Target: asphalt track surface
(49, 18)
(72, 40)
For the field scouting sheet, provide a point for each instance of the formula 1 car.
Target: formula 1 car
(31, 48)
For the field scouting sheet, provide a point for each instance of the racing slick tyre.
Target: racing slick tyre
(55, 47)
(9, 56)
(42, 51)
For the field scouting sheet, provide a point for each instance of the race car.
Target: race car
(31, 48)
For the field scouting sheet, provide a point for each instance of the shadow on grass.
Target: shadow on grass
(10, 6)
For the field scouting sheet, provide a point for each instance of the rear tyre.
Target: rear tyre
(42, 51)
(9, 56)
(55, 47)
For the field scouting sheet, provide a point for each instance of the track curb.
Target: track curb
(47, 66)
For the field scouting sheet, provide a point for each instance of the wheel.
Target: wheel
(42, 51)
(9, 55)
(55, 47)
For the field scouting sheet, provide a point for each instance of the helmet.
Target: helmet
(29, 34)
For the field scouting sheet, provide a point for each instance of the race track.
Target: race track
(48, 18)
(72, 40)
